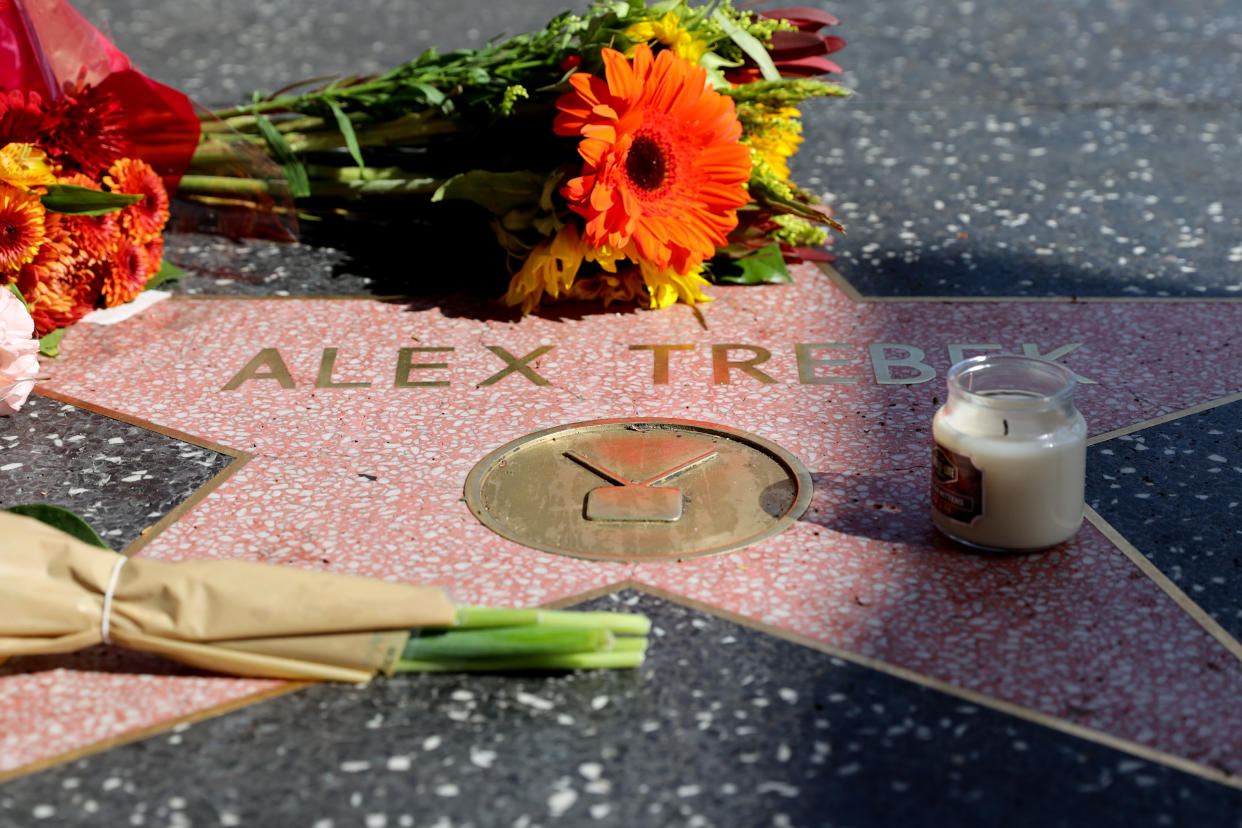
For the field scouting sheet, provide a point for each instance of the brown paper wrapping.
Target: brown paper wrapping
(236, 617)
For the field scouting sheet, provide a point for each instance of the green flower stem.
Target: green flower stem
(228, 185)
(502, 642)
(574, 661)
(382, 84)
(629, 644)
(244, 204)
(408, 129)
(323, 172)
(386, 187)
(617, 622)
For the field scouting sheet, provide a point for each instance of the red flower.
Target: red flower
(89, 132)
(58, 291)
(23, 117)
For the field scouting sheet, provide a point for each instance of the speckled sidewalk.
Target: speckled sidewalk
(1023, 177)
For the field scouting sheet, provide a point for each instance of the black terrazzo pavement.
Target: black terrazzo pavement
(1044, 148)
(724, 726)
(1175, 491)
(120, 478)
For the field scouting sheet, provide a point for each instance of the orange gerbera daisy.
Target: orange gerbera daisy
(21, 229)
(95, 237)
(147, 217)
(126, 273)
(664, 169)
(58, 291)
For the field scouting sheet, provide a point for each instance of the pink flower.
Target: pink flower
(19, 353)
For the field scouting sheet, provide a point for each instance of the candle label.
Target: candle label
(957, 485)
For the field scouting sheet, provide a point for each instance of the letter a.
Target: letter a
(267, 358)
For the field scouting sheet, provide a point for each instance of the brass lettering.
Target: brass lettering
(516, 364)
(957, 352)
(406, 364)
(276, 369)
(721, 364)
(807, 363)
(327, 364)
(883, 365)
(659, 355)
(1032, 349)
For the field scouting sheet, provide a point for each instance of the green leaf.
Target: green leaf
(167, 272)
(433, 96)
(765, 266)
(83, 201)
(346, 127)
(749, 44)
(49, 345)
(62, 519)
(13, 289)
(498, 192)
(295, 173)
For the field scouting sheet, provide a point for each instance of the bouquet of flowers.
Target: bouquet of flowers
(64, 590)
(88, 150)
(636, 153)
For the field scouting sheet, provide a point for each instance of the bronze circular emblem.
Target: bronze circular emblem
(638, 490)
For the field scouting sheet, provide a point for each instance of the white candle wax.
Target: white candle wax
(1010, 462)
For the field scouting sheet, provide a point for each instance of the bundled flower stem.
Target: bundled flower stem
(488, 639)
(633, 153)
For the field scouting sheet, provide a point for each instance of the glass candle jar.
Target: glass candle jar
(1010, 456)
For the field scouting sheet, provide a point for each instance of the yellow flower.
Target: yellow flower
(667, 286)
(626, 286)
(550, 268)
(551, 272)
(24, 166)
(777, 140)
(668, 32)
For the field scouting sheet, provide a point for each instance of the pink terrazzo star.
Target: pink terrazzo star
(366, 477)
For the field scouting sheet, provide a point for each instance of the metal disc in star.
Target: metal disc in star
(638, 490)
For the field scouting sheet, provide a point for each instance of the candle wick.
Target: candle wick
(1006, 422)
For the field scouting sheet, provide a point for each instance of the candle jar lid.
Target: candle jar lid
(1012, 382)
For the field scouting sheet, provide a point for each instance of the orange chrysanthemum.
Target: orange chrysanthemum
(664, 169)
(125, 274)
(155, 254)
(147, 217)
(95, 237)
(21, 229)
(58, 291)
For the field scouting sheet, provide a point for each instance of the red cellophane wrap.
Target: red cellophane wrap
(47, 47)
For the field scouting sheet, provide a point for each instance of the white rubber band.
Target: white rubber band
(107, 604)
